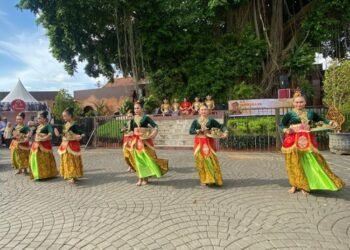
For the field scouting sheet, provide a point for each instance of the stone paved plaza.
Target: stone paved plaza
(107, 211)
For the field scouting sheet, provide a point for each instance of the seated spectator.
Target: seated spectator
(176, 107)
(196, 105)
(185, 107)
(165, 108)
(210, 103)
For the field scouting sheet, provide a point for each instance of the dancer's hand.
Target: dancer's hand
(290, 131)
(57, 133)
(154, 134)
(333, 123)
(224, 135)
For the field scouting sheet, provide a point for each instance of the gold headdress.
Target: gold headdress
(297, 93)
(203, 105)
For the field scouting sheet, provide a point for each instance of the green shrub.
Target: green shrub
(252, 125)
(150, 104)
(111, 129)
(244, 91)
(126, 106)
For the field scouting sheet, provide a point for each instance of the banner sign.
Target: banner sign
(18, 105)
(256, 107)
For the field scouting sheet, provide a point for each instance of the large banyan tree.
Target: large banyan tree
(195, 47)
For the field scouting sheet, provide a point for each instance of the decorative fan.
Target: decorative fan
(335, 115)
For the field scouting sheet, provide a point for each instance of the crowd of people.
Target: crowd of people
(306, 168)
(31, 149)
(5, 132)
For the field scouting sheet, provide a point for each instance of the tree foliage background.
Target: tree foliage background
(195, 47)
(64, 100)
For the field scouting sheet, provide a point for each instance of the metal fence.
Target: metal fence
(102, 131)
(261, 132)
(247, 133)
(108, 131)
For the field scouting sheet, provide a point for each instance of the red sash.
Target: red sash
(44, 145)
(23, 145)
(70, 146)
(127, 140)
(303, 141)
(205, 144)
(139, 143)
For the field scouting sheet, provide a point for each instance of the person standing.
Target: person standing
(207, 162)
(71, 166)
(20, 146)
(147, 163)
(42, 162)
(306, 168)
(8, 134)
(2, 129)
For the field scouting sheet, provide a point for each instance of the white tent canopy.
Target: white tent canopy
(19, 92)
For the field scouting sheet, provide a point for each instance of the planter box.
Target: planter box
(339, 143)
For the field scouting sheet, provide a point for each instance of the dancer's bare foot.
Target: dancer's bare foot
(72, 181)
(292, 190)
(305, 193)
(18, 172)
(144, 182)
(139, 182)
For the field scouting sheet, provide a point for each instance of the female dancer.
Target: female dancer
(204, 147)
(306, 168)
(71, 166)
(20, 145)
(127, 142)
(42, 162)
(146, 162)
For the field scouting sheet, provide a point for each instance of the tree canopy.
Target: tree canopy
(64, 100)
(195, 47)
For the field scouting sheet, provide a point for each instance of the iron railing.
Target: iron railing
(247, 133)
(262, 133)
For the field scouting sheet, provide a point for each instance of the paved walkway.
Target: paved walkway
(107, 211)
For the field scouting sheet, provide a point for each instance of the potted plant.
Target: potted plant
(337, 95)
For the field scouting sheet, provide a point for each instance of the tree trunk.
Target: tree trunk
(275, 41)
(118, 40)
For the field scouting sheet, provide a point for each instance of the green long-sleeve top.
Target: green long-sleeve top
(46, 129)
(145, 122)
(291, 117)
(22, 129)
(211, 123)
(73, 127)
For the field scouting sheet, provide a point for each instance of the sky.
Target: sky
(25, 55)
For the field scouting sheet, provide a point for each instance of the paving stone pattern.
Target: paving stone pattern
(107, 211)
